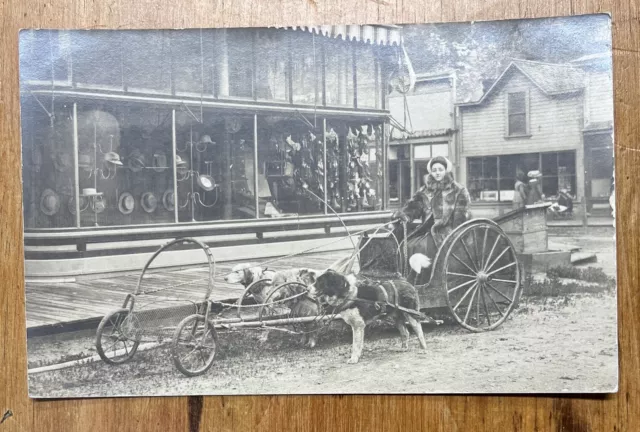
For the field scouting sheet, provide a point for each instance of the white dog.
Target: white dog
(248, 273)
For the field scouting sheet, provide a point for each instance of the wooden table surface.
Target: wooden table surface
(618, 412)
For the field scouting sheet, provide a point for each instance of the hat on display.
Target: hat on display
(72, 204)
(446, 163)
(90, 192)
(167, 200)
(204, 141)
(179, 161)
(62, 161)
(136, 161)
(112, 158)
(159, 161)
(49, 202)
(126, 203)
(149, 202)
(206, 182)
(534, 174)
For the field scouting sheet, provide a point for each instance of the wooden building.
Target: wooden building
(423, 127)
(556, 118)
(230, 135)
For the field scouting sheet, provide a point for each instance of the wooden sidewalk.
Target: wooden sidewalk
(57, 303)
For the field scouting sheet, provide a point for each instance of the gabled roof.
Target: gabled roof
(551, 78)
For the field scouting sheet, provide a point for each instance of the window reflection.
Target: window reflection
(306, 54)
(146, 61)
(272, 66)
(367, 77)
(240, 66)
(339, 73)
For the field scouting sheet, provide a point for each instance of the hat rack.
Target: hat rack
(95, 198)
(111, 170)
(205, 181)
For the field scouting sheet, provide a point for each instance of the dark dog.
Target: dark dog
(339, 292)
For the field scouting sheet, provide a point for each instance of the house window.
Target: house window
(492, 178)
(517, 113)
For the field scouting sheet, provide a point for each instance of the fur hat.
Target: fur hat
(446, 163)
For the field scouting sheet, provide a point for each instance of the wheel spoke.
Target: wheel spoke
(466, 251)
(475, 246)
(465, 295)
(496, 306)
(505, 280)
(504, 296)
(502, 268)
(182, 359)
(111, 346)
(466, 316)
(479, 291)
(461, 274)
(460, 286)
(484, 246)
(465, 264)
(484, 304)
(115, 351)
(490, 266)
(204, 360)
(124, 342)
(491, 253)
(208, 347)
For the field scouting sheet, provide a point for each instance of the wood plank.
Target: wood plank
(63, 302)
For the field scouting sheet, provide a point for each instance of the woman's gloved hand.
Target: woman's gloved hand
(399, 214)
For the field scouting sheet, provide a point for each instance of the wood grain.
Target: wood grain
(620, 412)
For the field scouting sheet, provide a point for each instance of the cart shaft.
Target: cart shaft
(237, 323)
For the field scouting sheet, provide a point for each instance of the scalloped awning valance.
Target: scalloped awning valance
(374, 34)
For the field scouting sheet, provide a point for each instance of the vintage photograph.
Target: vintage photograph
(424, 208)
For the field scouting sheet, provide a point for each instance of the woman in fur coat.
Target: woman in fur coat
(444, 199)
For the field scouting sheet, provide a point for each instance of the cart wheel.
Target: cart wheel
(194, 345)
(481, 277)
(290, 300)
(249, 293)
(118, 336)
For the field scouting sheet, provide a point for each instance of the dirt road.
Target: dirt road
(547, 345)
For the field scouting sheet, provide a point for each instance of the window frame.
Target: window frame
(500, 177)
(508, 114)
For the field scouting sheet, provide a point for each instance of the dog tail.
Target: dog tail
(419, 261)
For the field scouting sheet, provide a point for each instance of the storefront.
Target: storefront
(202, 127)
(422, 127)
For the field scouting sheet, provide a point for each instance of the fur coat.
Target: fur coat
(447, 200)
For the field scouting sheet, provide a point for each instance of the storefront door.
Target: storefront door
(399, 183)
(599, 168)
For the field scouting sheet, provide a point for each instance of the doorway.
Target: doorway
(399, 183)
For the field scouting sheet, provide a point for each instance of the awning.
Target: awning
(374, 34)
